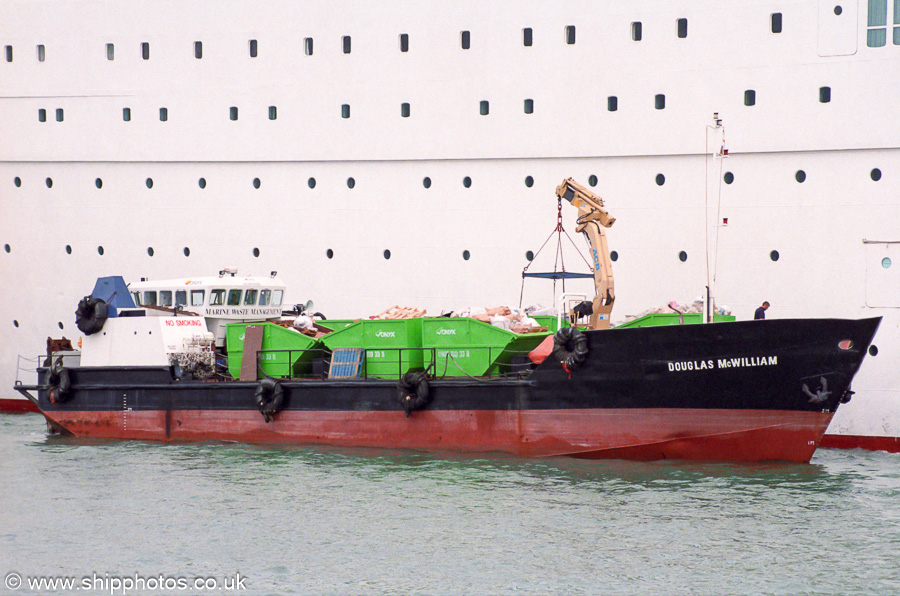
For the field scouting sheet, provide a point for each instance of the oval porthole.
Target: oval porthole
(800, 176)
(329, 253)
(529, 181)
(426, 182)
(149, 251)
(255, 252)
(838, 10)
(660, 179)
(885, 262)
(149, 182)
(311, 182)
(201, 183)
(466, 255)
(613, 256)
(256, 183)
(49, 182)
(387, 254)
(774, 255)
(68, 249)
(529, 255)
(846, 344)
(17, 181)
(98, 183)
(682, 256)
(875, 174)
(59, 323)
(467, 182)
(592, 180)
(100, 250)
(729, 177)
(187, 251)
(351, 182)
(873, 350)
(15, 323)
(7, 248)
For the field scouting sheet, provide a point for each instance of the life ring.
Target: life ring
(414, 391)
(570, 346)
(269, 398)
(91, 314)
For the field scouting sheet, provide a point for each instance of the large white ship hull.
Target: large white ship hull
(93, 179)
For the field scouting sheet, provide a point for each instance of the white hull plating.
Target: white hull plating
(832, 232)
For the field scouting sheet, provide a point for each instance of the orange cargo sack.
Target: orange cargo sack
(544, 349)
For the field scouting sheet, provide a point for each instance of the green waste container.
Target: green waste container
(285, 352)
(393, 346)
(335, 324)
(463, 346)
(672, 318)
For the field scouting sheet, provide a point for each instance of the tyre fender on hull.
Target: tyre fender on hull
(91, 315)
(60, 383)
(570, 347)
(414, 391)
(269, 398)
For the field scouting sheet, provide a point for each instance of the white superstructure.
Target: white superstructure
(406, 152)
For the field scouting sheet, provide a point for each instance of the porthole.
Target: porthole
(467, 182)
(59, 323)
(49, 182)
(202, 183)
(660, 101)
(351, 182)
(838, 10)
(800, 176)
(149, 251)
(484, 108)
(824, 94)
(404, 110)
(345, 110)
(149, 182)
(886, 262)
(98, 183)
(15, 323)
(529, 181)
(17, 181)
(329, 253)
(256, 183)
(255, 252)
(68, 249)
(7, 248)
(774, 255)
(100, 250)
(387, 254)
(187, 251)
(875, 174)
(682, 256)
(750, 97)
(612, 103)
(311, 182)
(613, 256)
(728, 177)
(592, 180)
(660, 179)
(466, 255)
(529, 106)
(529, 255)
(873, 350)
(426, 182)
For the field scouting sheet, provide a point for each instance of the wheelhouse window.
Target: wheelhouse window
(265, 296)
(276, 297)
(181, 297)
(136, 296)
(198, 297)
(234, 297)
(165, 297)
(877, 23)
(250, 297)
(216, 297)
(149, 298)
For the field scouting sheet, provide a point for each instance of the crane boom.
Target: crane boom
(592, 218)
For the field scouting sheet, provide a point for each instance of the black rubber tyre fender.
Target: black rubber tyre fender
(414, 391)
(570, 347)
(269, 398)
(91, 315)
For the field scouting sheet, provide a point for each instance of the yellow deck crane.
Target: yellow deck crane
(592, 218)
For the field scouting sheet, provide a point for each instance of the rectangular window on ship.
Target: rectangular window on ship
(250, 297)
(216, 297)
(234, 297)
(181, 297)
(265, 296)
(165, 298)
(198, 297)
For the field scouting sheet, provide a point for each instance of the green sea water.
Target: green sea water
(252, 520)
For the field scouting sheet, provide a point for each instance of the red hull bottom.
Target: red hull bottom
(872, 443)
(17, 406)
(724, 435)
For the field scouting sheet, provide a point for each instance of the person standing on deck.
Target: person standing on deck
(760, 313)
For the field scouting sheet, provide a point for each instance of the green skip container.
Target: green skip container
(672, 318)
(463, 346)
(393, 346)
(285, 352)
